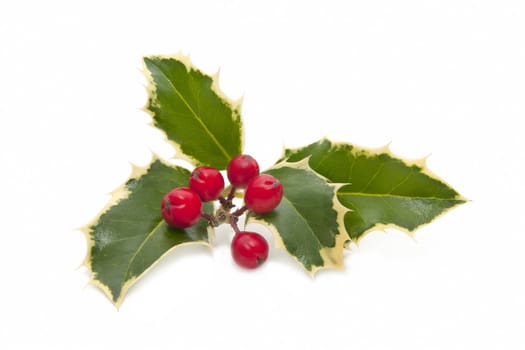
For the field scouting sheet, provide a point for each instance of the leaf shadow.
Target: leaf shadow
(161, 272)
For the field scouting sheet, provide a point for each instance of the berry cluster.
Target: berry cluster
(182, 207)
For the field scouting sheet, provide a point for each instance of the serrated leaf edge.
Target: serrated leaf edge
(419, 162)
(332, 256)
(117, 195)
(236, 105)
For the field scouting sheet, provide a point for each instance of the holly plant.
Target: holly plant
(315, 199)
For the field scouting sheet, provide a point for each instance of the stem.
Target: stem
(227, 203)
(234, 217)
(233, 223)
(211, 219)
(223, 201)
(223, 214)
(231, 194)
(239, 211)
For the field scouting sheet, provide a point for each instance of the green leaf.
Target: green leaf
(195, 115)
(130, 236)
(308, 222)
(382, 190)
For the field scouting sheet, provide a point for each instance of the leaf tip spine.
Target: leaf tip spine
(106, 291)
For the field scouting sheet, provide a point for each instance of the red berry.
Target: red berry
(241, 170)
(207, 182)
(181, 207)
(263, 193)
(249, 249)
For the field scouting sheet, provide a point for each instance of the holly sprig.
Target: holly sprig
(315, 199)
(182, 206)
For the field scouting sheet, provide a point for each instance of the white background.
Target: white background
(445, 78)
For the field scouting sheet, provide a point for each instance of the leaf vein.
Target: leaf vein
(303, 218)
(374, 176)
(196, 116)
(353, 159)
(133, 257)
(411, 172)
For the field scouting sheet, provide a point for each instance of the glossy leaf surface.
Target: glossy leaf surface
(309, 220)
(129, 236)
(382, 190)
(195, 115)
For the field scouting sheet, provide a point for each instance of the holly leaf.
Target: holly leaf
(308, 222)
(198, 119)
(129, 236)
(382, 190)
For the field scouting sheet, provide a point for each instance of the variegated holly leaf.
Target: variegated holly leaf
(198, 119)
(129, 236)
(308, 222)
(383, 190)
